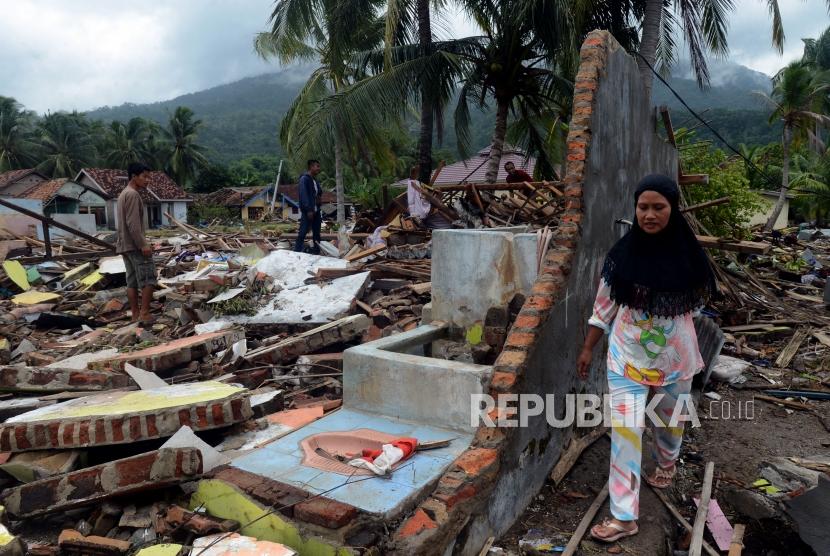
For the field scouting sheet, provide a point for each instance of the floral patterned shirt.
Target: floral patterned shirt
(646, 349)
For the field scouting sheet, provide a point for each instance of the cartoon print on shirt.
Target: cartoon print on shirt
(651, 344)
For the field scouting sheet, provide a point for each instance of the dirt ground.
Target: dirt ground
(736, 433)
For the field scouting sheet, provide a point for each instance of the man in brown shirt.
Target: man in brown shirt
(133, 246)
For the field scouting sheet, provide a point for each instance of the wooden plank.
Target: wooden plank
(435, 202)
(786, 403)
(786, 356)
(664, 113)
(746, 247)
(422, 288)
(702, 510)
(680, 519)
(823, 338)
(572, 453)
(712, 203)
(366, 253)
(332, 273)
(576, 538)
(64, 257)
(694, 179)
(802, 297)
(491, 186)
(737, 544)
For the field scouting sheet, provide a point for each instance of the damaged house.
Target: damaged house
(162, 196)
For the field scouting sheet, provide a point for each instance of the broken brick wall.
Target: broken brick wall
(612, 143)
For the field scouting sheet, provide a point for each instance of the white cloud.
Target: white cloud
(59, 55)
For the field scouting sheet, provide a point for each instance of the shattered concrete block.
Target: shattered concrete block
(48, 379)
(33, 466)
(72, 542)
(153, 470)
(126, 417)
(16, 406)
(315, 339)
(172, 354)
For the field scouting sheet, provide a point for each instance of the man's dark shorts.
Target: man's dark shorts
(141, 271)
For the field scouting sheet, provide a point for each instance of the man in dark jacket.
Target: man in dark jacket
(311, 197)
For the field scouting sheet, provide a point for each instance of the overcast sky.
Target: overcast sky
(82, 54)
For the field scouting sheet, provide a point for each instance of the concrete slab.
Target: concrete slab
(81, 360)
(125, 417)
(50, 379)
(341, 330)
(172, 354)
(282, 461)
(380, 375)
(223, 544)
(152, 470)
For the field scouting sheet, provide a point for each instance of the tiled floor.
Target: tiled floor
(281, 461)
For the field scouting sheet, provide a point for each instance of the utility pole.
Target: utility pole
(276, 186)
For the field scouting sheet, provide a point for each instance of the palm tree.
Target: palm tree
(795, 94)
(126, 143)
(17, 149)
(186, 157)
(514, 62)
(65, 143)
(330, 32)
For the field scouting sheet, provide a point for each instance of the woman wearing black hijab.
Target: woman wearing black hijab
(653, 281)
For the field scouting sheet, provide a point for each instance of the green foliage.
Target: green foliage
(198, 212)
(213, 177)
(366, 193)
(727, 178)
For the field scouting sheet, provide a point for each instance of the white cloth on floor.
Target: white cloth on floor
(383, 463)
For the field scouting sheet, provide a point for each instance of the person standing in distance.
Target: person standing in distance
(311, 199)
(133, 246)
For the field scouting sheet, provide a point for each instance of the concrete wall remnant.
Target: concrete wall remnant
(612, 144)
(474, 270)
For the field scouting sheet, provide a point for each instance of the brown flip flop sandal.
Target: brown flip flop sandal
(661, 478)
(621, 531)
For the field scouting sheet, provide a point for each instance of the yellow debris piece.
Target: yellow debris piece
(161, 550)
(17, 274)
(32, 297)
(92, 279)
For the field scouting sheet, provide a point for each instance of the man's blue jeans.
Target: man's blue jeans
(305, 224)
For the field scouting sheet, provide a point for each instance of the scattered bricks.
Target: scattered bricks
(315, 339)
(153, 470)
(126, 417)
(112, 306)
(43, 379)
(177, 518)
(173, 354)
(72, 542)
(477, 461)
(330, 514)
(36, 359)
(264, 490)
(43, 550)
(108, 517)
(419, 521)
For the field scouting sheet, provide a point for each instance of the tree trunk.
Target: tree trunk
(497, 144)
(425, 133)
(785, 179)
(648, 41)
(338, 182)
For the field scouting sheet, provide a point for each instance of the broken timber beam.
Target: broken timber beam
(572, 453)
(366, 253)
(694, 179)
(312, 340)
(712, 203)
(50, 222)
(576, 538)
(746, 247)
(702, 511)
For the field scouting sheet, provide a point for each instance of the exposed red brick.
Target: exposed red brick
(527, 321)
(521, 339)
(511, 358)
(502, 381)
(419, 521)
(464, 493)
(325, 513)
(476, 460)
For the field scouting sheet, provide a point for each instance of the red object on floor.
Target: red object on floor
(407, 445)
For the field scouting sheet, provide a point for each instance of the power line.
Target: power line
(762, 173)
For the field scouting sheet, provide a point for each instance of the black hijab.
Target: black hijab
(666, 274)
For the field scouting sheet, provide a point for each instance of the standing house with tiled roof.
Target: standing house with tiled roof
(162, 195)
(251, 202)
(17, 181)
(288, 197)
(64, 196)
(474, 169)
